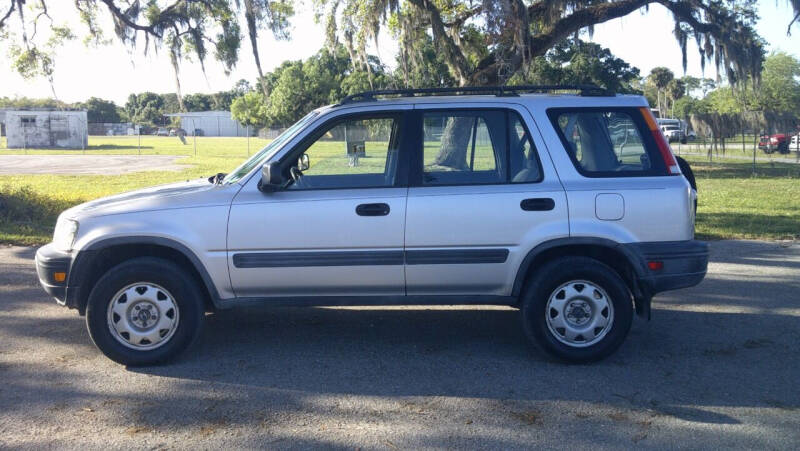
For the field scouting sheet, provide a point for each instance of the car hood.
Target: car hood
(188, 194)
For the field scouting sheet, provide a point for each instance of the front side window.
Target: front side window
(261, 156)
(607, 142)
(358, 152)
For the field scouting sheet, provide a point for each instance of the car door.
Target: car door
(483, 193)
(337, 229)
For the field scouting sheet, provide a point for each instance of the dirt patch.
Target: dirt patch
(87, 164)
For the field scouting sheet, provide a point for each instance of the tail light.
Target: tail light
(661, 142)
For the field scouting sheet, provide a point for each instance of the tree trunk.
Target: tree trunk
(455, 141)
(252, 30)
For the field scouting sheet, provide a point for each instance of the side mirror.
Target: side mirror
(271, 178)
(303, 163)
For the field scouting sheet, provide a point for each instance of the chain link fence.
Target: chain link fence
(140, 139)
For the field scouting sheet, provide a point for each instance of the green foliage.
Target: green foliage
(780, 83)
(198, 102)
(574, 61)
(146, 108)
(251, 109)
(297, 87)
(778, 91)
(27, 102)
(99, 110)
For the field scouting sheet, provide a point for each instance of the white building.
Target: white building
(212, 123)
(26, 129)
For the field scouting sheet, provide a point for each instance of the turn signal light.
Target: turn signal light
(655, 266)
(661, 142)
(59, 276)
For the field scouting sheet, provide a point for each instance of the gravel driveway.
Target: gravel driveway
(87, 164)
(718, 367)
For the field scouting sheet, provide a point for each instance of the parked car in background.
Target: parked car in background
(162, 131)
(691, 136)
(771, 143)
(673, 133)
(572, 209)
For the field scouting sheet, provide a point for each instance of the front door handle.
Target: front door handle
(372, 209)
(538, 204)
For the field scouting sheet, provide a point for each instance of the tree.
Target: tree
(706, 85)
(489, 42)
(260, 14)
(146, 108)
(251, 109)
(185, 29)
(780, 88)
(674, 91)
(182, 28)
(574, 61)
(99, 110)
(692, 84)
(659, 78)
(198, 102)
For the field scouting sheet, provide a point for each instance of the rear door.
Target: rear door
(482, 195)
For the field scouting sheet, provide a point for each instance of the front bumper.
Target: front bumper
(683, 264)
(49, 263)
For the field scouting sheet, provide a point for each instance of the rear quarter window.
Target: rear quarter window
(608, 142)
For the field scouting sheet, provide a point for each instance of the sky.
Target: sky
(112, 72)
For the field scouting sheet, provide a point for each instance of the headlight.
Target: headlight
(64, 234)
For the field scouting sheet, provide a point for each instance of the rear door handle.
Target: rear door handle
(372, 209)
(538, 204)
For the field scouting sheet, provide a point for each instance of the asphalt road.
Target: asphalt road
(717, 367)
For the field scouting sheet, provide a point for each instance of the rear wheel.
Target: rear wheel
(144, 311)
(577, 309)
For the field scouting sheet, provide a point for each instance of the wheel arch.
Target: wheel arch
(93, 261)
(616, 256)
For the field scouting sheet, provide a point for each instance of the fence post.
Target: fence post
(194, 136)
(139, 134)
(248, 140)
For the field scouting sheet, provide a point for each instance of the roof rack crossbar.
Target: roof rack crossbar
(500, 91)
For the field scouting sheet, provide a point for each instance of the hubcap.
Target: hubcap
(579, 313)
(142, 316)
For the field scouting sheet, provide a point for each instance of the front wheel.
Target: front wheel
(577, 309)
(144, 311)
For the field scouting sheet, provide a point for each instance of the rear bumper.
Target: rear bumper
(683, 264)
(50, 261)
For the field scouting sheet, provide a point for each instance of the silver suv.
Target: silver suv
(569, 206)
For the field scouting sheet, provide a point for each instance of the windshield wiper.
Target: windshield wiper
(217, 179)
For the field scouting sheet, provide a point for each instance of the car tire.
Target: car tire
(144, 311)
(557, 300)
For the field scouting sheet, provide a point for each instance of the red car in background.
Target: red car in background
(771, 143)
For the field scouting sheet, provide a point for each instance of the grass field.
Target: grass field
(733, 203)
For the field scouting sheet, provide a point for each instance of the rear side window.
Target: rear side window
(608, 142)
(477, 147)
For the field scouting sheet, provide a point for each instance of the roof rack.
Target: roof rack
(500, 91)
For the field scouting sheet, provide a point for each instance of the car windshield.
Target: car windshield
(259, 158)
